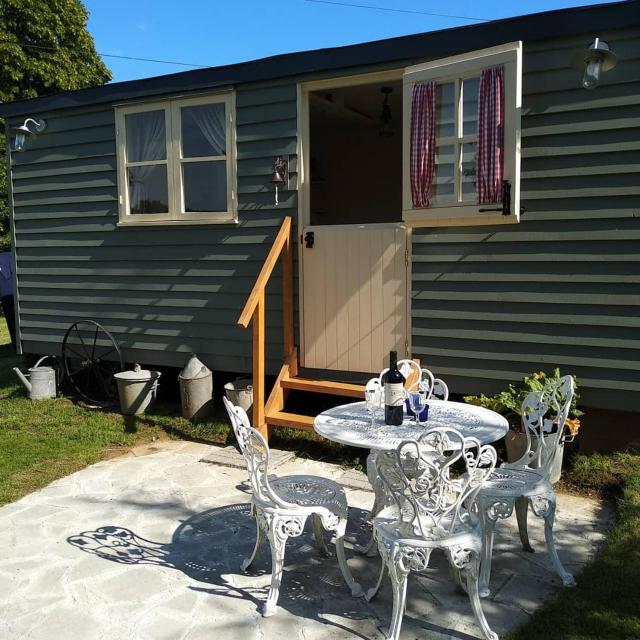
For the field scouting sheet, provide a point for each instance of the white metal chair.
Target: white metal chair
(526, 481)
(282, 505)
(432, 509)
(410, 369)
(439, 390)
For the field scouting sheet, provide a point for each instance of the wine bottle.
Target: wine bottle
(393, 382)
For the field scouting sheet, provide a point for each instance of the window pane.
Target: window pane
(469, 168)
(148, 189)
(445, 112)
(205, 186)
(470, 89)
(442, 187)
(146, 138)
(203, 131)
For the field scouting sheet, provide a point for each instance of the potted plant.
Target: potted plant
(509, 404)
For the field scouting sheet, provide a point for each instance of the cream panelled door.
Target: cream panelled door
(354, 302)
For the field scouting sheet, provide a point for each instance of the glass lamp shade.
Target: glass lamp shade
(19, 141)
(592, 71)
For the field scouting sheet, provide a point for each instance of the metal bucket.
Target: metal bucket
(240, 392)
(136, 389)
(196, 390)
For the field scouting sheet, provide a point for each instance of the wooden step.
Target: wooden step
(325, 386)
(292, 420)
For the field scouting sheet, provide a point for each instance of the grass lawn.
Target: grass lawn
(47, 439)
(605, 604)
(43, 440)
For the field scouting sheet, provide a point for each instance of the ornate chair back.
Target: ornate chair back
(375, 385)
(440, 390)
(419, 476)
(424, 382)
(541, 410)
(410, 369)
(256, 455)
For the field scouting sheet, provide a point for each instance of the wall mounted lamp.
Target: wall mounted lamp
(280, 174)
(596, 59)
(20, 133)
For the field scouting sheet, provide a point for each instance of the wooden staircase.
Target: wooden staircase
(271, 413)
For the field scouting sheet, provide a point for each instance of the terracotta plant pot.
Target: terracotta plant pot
(516, 442)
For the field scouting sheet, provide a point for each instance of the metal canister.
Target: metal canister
(196, 389)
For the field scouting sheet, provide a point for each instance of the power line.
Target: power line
(104, 55)
(413, 11)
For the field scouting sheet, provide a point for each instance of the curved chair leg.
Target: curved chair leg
(456, 576)
(488, 532)
(247, 562)
(399, 585)
(379, 501)
(472, 589)
(318, 532)
(522, 507)
(356, 589)
(278, 532)
(371, 593)
(549, 517)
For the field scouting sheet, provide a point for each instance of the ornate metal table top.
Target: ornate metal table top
(350, 424)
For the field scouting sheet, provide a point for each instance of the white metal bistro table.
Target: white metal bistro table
(351, 424)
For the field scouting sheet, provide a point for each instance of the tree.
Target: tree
(44, 48)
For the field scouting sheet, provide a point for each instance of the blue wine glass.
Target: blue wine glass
(417, 401)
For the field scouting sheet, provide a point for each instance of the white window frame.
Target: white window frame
(454, 69)
(174, 161)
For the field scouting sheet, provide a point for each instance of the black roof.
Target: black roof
(538, 26)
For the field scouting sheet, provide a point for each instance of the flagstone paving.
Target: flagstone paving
(187, 527)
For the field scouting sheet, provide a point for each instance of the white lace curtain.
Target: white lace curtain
(146, 141)
(210, 121)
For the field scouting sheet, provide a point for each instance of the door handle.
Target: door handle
(309, 239)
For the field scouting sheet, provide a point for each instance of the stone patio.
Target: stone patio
(188, 526)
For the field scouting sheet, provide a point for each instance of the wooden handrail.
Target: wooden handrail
(254, 313)
(265, 273)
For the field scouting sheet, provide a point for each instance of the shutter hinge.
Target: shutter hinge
(406, 348)
(406, 258)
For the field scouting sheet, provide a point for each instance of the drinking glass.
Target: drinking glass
(417, 401)
(371, 402)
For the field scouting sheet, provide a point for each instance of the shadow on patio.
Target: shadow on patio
(210, 546)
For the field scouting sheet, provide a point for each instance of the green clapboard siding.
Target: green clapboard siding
(562, 288)
(489, 304)
(162, 292)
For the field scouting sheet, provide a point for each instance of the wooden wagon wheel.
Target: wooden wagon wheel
(90, 357)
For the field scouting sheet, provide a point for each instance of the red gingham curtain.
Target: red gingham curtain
(423, 141)
(491, 135)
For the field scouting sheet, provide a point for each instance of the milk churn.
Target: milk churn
(40, 382)
(196, 389)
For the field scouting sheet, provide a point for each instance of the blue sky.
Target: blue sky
(220, 32)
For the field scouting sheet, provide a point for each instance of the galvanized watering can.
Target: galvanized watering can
(40, 382)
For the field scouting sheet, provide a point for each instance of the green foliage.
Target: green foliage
(60, 56)
(509, 401)
(604, 604)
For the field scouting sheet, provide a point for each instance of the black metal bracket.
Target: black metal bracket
(505, 209)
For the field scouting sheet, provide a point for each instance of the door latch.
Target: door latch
(309, 239)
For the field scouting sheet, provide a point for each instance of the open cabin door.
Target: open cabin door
(354, 299)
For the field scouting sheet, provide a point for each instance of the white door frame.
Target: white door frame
(303, 183)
